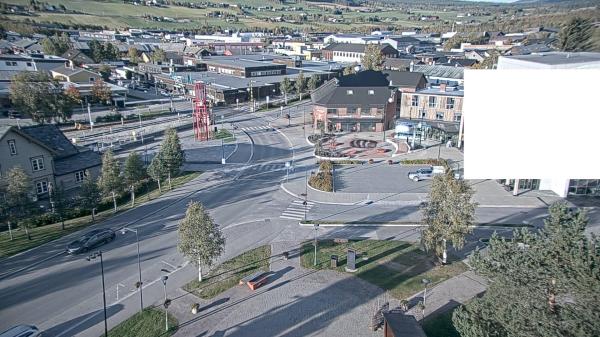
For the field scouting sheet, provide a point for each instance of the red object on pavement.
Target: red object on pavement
(201, 113)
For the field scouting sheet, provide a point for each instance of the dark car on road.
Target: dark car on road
(22, 331)
(90, 240)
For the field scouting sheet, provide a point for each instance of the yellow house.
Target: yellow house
(69, 73)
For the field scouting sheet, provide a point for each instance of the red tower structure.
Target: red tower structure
(201, 113)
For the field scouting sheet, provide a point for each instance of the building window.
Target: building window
(92, 80)
(13, 147)
(415, 100)
(29, 64)
(351, 111)
(584, 187)
(37, 163)
(457, 117)
(439, 116)
(349, 92)
(432, 101)
(332, 111)
(41, 187)
(79, 176)
(371, 92)
(450, 103)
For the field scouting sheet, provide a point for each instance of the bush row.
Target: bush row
(429, 161)
(322, 181)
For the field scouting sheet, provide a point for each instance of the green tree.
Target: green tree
(105, 72)
(349, 70)
(89, 195)
(157, 170)
(111, 180)
(285, 87)
(111, 53)
(200, 239)
(544, 283)
(448, 213)
(313, 82)
(576, 35)
(56, 45)
(101, 92)
(132, 53)
(128, 74)
(300, 84)
(489, 62)
(39, 96)
(159, 55)
(60, 203)
(171, 153)
(18, 200)
(96, 51)
(373, 58)
(133, 173)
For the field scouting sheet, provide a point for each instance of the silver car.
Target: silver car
(421, 174)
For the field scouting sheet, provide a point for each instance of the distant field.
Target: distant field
(115, 14)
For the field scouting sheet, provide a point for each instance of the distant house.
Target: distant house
(69, 73)
(78, 57)
(355, 103)
(47, 157)
(353, 52)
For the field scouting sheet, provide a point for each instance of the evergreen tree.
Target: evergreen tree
(200, 239)
(105, 72)
(133, 173)
(17, 198)
(313, 83)
(111, 53)
(171, 153)
(373, 58)
(543, 284)
(576, 35)
(157, 170)
(285, 87)
(300, 84)
(448, 213)
(89, 195)
(111, 181)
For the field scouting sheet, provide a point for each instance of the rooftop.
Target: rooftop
(52, 137)
(555, 58)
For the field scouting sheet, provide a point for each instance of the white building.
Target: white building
(352, 38)
(553, 60)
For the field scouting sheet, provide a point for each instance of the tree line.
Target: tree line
(18, 204)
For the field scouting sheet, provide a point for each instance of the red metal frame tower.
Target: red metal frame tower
(201, 113)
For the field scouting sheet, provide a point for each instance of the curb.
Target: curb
(282, 185)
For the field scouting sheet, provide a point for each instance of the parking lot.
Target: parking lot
(379, 177)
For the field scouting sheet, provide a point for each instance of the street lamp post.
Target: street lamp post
(92, 257)
(316, 226)
(139, 285)
(425, 282)
(164, 279)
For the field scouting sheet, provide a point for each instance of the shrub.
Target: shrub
(348, 162)
(325, 166)
(429, 161)
(322, 181)
(109, 118)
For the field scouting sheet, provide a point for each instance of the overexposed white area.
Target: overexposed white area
(541, 123)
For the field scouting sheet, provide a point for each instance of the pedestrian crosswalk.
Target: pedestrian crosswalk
(258, 169)
(255, 128)
(296, 210)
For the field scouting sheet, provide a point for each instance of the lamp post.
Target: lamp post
(90, 258)
(164, 279)
(316, 226)
(425, 282)
(139, 285)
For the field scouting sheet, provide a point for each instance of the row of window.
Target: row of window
(265, 73)
(351, 92)
(432, 102)
(348, 54)
(41, 186)
(352, 111)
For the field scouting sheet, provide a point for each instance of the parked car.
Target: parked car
(22, 331)
(425, 173)
(90, 240)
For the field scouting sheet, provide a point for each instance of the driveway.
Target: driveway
(378, 178)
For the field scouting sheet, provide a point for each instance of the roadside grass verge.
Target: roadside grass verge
(396, 266)
(225, 135)
(43, 234)
(149, 323)
(440, 325)
(229, 273)
(415, 223)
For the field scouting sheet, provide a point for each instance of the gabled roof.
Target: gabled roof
(354, 47)
(405, 79)
(77, 162)
(365, 89)
(51, 137)
(63, 70)
(441, 71)
(4, 129)
(77, 56)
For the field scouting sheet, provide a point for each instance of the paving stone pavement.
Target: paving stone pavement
(296, 302)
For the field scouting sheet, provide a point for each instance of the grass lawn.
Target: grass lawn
(229, 273)
(224, 134)
(440, 325)
(396, 266)
(43, 234)
(150, 323)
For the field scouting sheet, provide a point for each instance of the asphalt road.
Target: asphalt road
(62, 294)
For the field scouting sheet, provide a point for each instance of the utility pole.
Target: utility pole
(90, 116)
(316, 233)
